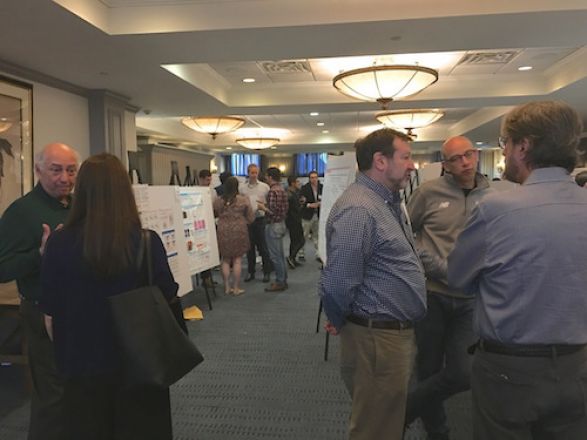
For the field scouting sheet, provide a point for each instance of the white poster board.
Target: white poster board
(340, 173)
(160, 210)
(199, 229)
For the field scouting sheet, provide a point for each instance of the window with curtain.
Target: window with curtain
(240, 161)
(306, 162)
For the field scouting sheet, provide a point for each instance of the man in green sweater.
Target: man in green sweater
(24, 229)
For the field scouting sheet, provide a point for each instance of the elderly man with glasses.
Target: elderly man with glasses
(439, 210)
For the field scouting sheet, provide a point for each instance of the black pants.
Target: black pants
(296, 237)
(46, 420)
(99, 408)
(257, 239)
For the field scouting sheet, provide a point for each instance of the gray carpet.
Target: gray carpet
(264, 376)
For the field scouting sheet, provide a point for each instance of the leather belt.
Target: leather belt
(372, 323)
(529, 350)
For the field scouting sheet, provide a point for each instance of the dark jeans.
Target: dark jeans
(98, 408)
(47, 420)
(296, 237)
(443, 364)
(521, 398)
(257, 239)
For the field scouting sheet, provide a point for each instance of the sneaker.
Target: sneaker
(265, 278)
(250, 277)
(302, 258)
(291, 263)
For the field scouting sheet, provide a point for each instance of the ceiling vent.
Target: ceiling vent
(479, 58)
(285, 67)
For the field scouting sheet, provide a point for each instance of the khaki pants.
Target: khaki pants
(376, 366)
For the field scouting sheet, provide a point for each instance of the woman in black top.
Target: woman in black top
(90, 259)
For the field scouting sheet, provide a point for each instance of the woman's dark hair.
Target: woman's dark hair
(230, 190)
(106, 214)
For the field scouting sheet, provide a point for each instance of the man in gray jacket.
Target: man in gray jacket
(439, 210)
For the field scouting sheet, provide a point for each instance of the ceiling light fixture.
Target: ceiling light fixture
(320, 124)
(249, 80)
(314, 114)
(384, 83)
(524, 68)
(257, 143)
(213, 125)
(409, 119)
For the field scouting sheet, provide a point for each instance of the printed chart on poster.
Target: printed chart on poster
(340, 173)
(160, 210)
(199, 230)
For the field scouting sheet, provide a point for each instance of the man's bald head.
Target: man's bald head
(56, 167)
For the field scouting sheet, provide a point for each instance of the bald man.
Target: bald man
(439, 210)
(24, 229)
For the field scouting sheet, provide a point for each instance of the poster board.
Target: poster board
(199, 229)
(160, 210)
(340, 173)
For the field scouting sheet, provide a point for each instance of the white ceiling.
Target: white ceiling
(174, 58)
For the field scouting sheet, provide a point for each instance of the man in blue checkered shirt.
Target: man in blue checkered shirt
(373, 286)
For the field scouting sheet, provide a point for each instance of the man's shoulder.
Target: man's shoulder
(24, 203)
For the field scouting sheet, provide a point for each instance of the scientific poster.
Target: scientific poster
(340, 173)
(160, 210)
(199, 230)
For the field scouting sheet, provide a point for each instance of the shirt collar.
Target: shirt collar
(379, 189)
(40, 191)
(549, 174)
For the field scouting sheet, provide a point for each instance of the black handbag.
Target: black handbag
(154, 349)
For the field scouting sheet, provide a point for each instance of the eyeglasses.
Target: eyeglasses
(459, 157)
(501, 141)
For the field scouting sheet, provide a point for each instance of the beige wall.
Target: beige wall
(156, 163)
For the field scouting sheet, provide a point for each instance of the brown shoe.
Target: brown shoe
(276, 287)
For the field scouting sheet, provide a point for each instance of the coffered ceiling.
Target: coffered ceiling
(174, 58)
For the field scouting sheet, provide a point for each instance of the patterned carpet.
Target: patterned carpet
(264, 376)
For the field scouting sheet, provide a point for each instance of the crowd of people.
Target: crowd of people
(468, 287)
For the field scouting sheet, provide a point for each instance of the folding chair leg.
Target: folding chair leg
(318, 320)
(326, 346)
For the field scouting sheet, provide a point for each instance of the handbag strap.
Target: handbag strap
(147, 243)
(144, 259)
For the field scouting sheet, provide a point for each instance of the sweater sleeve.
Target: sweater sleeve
(19, 246)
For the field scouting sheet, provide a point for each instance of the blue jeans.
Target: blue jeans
(443, 364)
(274, 233)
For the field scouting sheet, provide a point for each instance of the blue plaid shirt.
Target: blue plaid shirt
(372, 269)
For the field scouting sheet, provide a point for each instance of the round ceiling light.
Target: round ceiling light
(384, 83)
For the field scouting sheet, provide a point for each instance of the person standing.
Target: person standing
(234, 214)
(293, 221)
(255, 189)
(311, 193)
(522, 254)
(438, 210)
(275, 212)
(94, 256)
(372, 286)
(24, 229)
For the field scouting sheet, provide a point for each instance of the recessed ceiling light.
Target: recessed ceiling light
(320, 124)
(314, 114)
(524, 68)
(479, 143)
(249, 80)
(229, 148)
(325, 131)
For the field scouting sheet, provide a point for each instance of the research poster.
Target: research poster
(340, 173)
(160, 210)
(199, 230)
